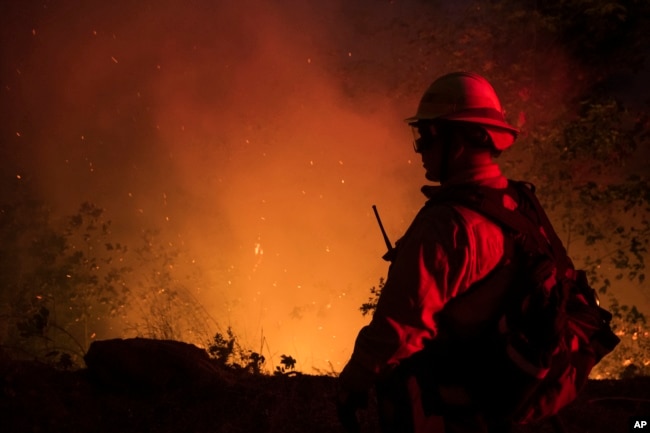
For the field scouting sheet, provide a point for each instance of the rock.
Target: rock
(148, 365)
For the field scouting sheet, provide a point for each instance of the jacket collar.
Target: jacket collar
(488, 176)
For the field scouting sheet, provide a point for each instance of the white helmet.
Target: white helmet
(466, 97)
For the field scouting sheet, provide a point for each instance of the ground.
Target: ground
(37, 398)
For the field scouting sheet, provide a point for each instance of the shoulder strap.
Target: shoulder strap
(529, 220)
(489, 202)
(528, 191)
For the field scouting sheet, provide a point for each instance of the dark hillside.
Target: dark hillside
(37, 398)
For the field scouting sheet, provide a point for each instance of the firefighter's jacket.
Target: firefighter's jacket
(445, 250)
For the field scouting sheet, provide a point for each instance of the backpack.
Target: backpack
(534, 355)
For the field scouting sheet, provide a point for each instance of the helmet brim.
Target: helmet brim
(463, 117)
(502, 134)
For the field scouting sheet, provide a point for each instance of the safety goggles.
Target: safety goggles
(425, 136)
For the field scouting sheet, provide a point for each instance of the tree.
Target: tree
(65, 281)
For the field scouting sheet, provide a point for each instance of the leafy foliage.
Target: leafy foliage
(632, 357)
(65, 280)
(227, 351)
(596, 31)
(70, 282)
(598, 134)
(287, 365)
(370, 306)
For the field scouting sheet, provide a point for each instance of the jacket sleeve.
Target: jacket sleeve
(436, 260)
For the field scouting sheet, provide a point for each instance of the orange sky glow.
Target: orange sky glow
(228, 127)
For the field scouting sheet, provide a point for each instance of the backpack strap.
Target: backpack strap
(528, 220)
(558, 250)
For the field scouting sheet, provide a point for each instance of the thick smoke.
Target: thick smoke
(235, 127)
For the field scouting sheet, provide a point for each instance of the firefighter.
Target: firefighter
(459, 128)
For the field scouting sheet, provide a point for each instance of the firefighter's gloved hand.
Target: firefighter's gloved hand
(347, 404)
